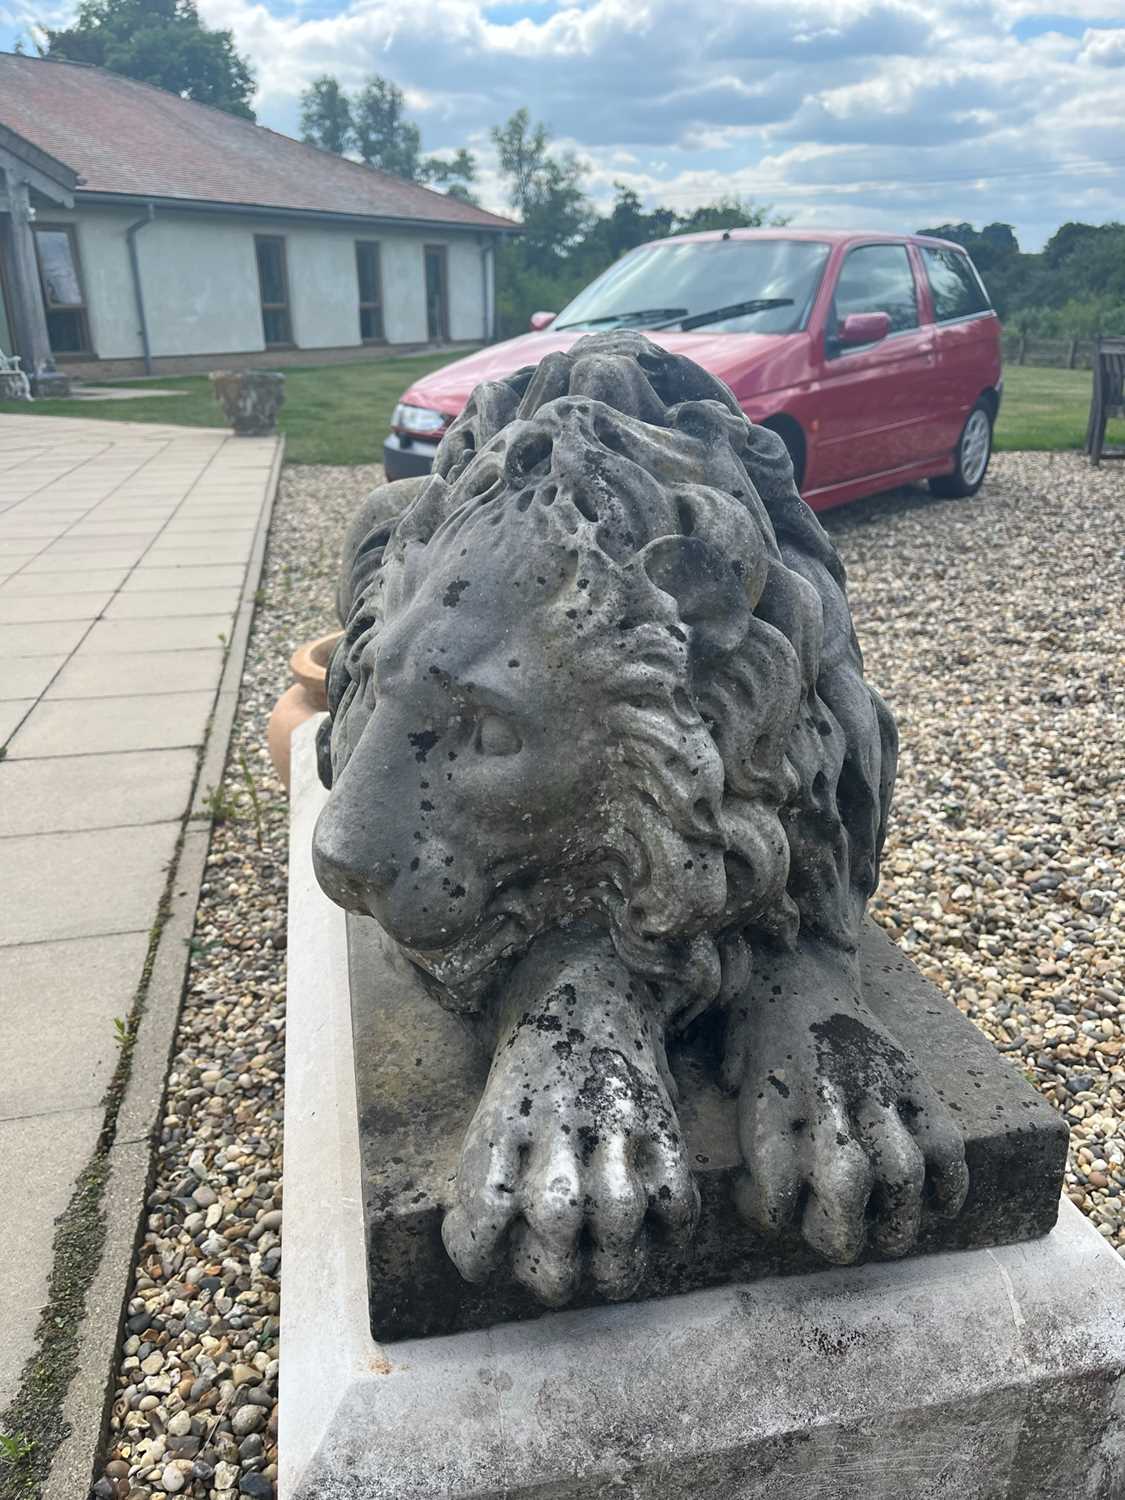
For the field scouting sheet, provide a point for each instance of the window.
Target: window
(437, 309)
(369, 275)
(878, 278)
(61, 277)
(955, 285)
(273, 283)
(656, 283)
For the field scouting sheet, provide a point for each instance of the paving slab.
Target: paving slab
(144, 721)
(167, 604)
(145, 578)
(190, 523)
(81, 562)
(64, 885)
(82, 984)
(41, 639)
(67, 793)
(12, 713)
(91, 546)
(185, 556)
(96, 581)
(27, 676)
(50, 609)
(160, 634)
(138, 672)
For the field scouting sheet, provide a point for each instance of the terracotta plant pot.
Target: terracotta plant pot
(307, 696)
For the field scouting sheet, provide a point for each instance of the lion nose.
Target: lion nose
(351, 868)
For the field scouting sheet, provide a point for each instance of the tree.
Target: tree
(384, 136)
(1008, 273)
(326, 115)
(545, 190)
(161, 42)
(626, 226)
(729, 213)
(453, 175)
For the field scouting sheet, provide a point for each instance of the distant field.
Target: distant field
(339, 414)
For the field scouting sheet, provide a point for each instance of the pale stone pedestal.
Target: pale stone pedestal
(992, 1374)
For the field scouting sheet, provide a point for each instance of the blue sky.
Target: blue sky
(883, 113)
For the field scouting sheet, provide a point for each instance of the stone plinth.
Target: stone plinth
(975, 1374)
(421, 1070)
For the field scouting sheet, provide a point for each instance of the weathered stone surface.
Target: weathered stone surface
(603, 761)
(251, 399)
(420, 1070)
(980, 1375)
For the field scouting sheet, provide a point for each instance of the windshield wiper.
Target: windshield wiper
(645, 312)
(720, 314)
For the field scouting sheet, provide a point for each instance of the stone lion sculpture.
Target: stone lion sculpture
(602, 756)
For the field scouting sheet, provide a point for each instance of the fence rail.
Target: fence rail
(1059, 354)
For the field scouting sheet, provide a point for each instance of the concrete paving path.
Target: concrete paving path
(123, 554)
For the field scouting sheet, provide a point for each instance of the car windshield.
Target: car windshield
(723, 286)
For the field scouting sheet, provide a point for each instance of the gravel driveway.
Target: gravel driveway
(994, 627)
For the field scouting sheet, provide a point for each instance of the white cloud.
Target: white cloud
(894, 113)
(1106, 49)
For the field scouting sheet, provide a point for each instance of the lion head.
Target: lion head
(580, 679)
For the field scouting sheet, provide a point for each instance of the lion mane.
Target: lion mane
(750, 765)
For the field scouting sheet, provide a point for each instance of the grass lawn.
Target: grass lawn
(1043, 409)
(340, 414)
(333, 414)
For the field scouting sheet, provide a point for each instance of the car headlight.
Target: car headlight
(420, 420)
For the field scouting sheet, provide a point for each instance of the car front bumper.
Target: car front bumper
(406, 458)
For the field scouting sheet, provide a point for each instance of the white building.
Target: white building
(142, 232)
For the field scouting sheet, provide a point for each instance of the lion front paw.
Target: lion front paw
(573, 1154)
(840, 1133)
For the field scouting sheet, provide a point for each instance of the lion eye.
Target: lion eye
(495, 736)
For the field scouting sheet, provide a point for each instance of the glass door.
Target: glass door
(437, 303)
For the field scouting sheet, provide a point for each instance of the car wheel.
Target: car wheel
(974, 449)
(793, 438)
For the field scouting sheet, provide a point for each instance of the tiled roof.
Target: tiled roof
(126, 137)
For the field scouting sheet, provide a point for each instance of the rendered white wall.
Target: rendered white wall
(200, 280)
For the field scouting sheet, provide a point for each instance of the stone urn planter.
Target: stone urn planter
(251, 399)
(307, 696)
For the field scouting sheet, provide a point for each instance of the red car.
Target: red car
(876, 357)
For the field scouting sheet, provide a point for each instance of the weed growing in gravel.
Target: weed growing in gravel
(14, 1447)
(220, 805)
(253, 790)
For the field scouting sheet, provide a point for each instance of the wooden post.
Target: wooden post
(1021, 358)
(1072, 355)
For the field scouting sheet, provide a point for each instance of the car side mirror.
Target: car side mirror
(863, 328)
(540, 320)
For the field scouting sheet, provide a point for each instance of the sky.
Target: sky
(886, 114)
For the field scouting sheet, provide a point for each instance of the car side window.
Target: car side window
(956, 288)
(877, 278)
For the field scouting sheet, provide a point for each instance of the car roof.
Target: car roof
(824, 236)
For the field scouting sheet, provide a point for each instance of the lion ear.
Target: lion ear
(708, 588)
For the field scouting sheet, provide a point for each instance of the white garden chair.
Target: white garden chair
(14, 384)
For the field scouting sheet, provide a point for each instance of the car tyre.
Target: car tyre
(974, 450)
(791, 435)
